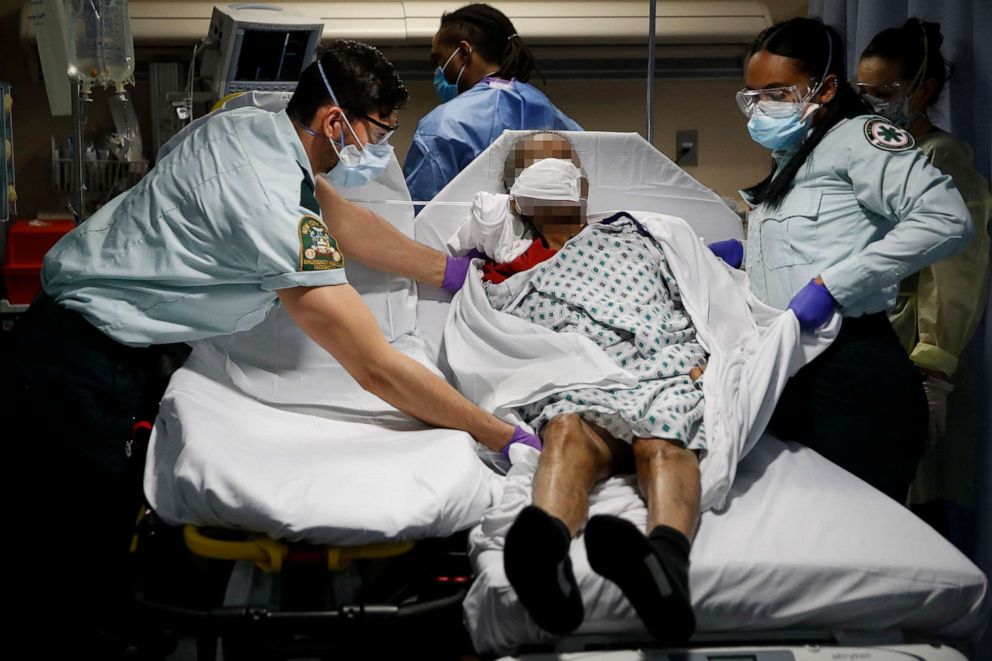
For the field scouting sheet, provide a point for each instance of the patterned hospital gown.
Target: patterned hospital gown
(612, 284)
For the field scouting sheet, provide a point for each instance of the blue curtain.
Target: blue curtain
(965, 110)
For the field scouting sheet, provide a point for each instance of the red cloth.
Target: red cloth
(534, 255)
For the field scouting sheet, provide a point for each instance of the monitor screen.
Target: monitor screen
(272, 55)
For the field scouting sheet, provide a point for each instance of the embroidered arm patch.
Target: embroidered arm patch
(887, 137)
(318, 249)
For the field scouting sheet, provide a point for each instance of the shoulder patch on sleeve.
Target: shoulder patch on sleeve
(318, 249)
(887, 137)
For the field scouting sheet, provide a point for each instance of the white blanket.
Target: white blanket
(500, 361)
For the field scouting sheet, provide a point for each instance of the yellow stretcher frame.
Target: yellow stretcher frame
(269, 554)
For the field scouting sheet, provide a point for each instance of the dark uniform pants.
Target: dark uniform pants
(861, 405)
(70, 396)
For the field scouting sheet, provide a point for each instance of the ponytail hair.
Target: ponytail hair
(818, 50)
(916, 47)
(492, 34)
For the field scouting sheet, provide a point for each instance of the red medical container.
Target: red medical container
(27, 243)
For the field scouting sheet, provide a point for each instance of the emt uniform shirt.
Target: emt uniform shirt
(866, 210)
(450, 137)
(200, 246)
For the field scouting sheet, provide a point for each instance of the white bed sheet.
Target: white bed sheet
(801, 544)
(220, 457)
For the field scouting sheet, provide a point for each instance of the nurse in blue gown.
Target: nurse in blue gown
(482, 73)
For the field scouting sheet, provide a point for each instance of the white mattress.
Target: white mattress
(220, 457)
(801, 544)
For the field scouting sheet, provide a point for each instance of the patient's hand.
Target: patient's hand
(697, 372)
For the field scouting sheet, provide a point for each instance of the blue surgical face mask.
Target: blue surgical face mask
(357, 168)
(777, 126)
(447, 91)
(776, 131)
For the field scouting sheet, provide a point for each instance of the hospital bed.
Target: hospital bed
(262, 432)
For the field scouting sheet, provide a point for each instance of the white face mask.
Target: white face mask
(548, 182)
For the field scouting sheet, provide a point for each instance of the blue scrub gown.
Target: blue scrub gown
(454, 133)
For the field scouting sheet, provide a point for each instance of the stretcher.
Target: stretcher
(291, 512)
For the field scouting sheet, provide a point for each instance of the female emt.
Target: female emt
(850, 208)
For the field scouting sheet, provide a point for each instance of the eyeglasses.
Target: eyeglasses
(389, 129)
(774, 101)
(880, 90)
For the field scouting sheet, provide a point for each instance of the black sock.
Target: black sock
(671, 543)
(538, 567)
(566, 534)
(652, 571)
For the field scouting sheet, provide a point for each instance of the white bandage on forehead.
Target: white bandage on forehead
(553, 180)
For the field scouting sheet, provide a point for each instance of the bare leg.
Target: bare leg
(668, 476)
(576, 455)
(653, 571)
(535, 556)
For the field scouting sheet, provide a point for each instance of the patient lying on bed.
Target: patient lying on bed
(611, 284)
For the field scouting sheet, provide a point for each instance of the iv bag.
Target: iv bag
(101, 50)
(126, 122)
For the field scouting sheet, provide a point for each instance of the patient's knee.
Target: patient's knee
(560, 428)
(567, 436)
(660, 451)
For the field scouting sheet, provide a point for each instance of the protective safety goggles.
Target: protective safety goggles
(882, 91)
(389, 129)
(775, 101)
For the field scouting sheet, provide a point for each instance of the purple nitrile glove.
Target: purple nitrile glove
(730, 251)
(520, 435)
(813, 305)
(456, 268)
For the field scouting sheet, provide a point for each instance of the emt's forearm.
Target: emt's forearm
(336, 318)
(415, 390)
(378, 244)
(369, 239)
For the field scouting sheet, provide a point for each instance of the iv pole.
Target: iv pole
(651, 62)
(79, 112)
